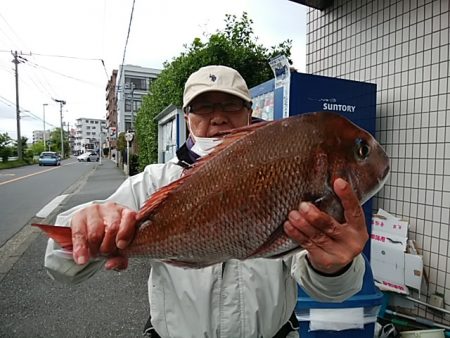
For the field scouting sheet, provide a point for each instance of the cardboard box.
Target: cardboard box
(391, 227)
(394, 261)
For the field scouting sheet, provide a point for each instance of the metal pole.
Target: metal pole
(128, 158)
(68, 138)
(62, 130)
(61, 103)
(43, 110)
(19, 138)
(101, 146)
(132, 106)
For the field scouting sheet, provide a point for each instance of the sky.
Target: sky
(68, 48)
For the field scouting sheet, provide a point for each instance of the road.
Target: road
(109, 304)
(26, 190)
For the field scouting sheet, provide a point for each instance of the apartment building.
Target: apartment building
(90, 134)
(132, 84)
(38, 135)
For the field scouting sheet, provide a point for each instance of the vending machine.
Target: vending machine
(292, 93)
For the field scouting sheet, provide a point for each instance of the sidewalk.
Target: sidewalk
(110, 304)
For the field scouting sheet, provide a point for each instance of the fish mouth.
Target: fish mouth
(381, 181)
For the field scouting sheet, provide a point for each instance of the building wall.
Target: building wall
(403, 47)
(130, 77)
(111, 112)
(88, 134)
(38, 135)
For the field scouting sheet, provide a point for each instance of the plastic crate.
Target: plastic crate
(365, 303)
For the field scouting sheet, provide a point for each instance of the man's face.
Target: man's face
(206, 122)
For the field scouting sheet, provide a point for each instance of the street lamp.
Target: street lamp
(43, 113)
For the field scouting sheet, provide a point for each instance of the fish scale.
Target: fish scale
(234, 201)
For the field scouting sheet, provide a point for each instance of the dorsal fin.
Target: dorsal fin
(228, 137)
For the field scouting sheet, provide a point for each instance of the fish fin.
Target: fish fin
(279, 247)
(286, 253)
(270, 243)
(61, 235)
(158, 197)
(188, 265)
(229, 137)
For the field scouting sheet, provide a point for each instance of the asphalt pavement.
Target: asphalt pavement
(110, 304)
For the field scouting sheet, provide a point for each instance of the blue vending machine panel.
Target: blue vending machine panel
(352, 99)
(310, 93)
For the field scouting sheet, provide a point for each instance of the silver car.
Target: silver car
(89, 156)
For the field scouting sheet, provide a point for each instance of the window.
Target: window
(136, 107)
(138, 83)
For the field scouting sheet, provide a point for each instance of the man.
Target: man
(253, 298)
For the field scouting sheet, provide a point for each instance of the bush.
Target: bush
(134, 164)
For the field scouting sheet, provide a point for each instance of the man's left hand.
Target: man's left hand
(331, 246)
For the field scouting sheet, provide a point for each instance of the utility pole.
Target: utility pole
(132, 106)
(61, 103)
(68, 136)
(19, 138)
(43, 111)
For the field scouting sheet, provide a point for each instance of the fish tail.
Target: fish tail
(61, 235)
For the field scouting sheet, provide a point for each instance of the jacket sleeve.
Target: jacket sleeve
(329, 289)
(133, 192)
(59, 264)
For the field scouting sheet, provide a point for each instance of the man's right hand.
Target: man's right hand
(103, 229)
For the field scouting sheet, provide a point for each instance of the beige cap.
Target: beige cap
(215, 78)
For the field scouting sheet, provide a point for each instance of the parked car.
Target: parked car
(89, 156)
(49, 158)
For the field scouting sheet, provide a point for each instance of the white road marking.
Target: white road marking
(36, 173)
(45, 211)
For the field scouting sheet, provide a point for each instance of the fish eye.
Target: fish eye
(362, 149)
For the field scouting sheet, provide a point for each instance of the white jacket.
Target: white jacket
(252, 298)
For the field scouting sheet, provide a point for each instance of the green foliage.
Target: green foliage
(5, 149)
(121, 142)
(13, 164)
(37, 147)
(24, 146)
(55, 141)
(236, 46)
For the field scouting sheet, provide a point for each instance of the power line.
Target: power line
(75, 58)
(12, 30)
(126, 43)
(35, 65)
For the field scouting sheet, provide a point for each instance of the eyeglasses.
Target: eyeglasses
(227, 106)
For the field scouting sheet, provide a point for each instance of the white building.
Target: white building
(89, 134)
(38, 135)
(133, 83)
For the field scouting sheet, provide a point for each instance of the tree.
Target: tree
(38, 147)
(5, 149)
(26, 155)
(55, 141)
(236, 46)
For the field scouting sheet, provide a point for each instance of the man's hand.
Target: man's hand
(331, 246)
(103, 229)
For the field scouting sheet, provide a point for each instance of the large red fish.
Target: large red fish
(233, 202)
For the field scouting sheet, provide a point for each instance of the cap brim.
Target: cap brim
(227, 91)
